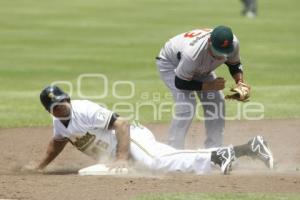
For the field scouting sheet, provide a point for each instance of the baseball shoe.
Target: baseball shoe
(250, 14)
(259, 149)
(224, 157)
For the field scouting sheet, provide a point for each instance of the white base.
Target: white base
(101, 169)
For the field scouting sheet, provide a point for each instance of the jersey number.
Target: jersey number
(195, 33)
(191, 34)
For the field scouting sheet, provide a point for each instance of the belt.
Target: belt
(178, 55)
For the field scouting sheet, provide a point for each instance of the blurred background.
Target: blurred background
(47, 41)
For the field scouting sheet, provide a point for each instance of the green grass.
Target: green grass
(46, 41)
(226, 196)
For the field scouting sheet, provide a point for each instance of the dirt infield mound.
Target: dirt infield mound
(22, 146)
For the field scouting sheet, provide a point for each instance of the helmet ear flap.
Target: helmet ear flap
(51, 95)
(68, 100)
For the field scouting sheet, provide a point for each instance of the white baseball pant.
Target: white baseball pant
(154, 155)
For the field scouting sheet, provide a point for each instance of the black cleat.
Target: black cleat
(259, 149)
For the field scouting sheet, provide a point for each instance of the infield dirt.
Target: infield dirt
(23, 146)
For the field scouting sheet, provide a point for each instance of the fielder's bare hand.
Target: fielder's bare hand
(217, 84)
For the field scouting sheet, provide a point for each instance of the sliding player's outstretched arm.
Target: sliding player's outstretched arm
(122, 130)
(54, 148)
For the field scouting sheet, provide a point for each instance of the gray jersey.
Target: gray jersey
(190, 54)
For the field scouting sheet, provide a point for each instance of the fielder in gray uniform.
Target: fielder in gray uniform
(186, 65)
(249, 8)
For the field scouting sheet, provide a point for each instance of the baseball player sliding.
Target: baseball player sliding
(103, 134)
(186, 64)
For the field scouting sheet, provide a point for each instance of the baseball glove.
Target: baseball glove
(241, 92)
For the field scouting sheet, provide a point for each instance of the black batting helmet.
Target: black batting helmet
(51, 95)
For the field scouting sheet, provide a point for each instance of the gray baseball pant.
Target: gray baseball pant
(249, 5)
(185, 107)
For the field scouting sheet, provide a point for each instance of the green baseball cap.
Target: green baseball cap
(222, 40)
